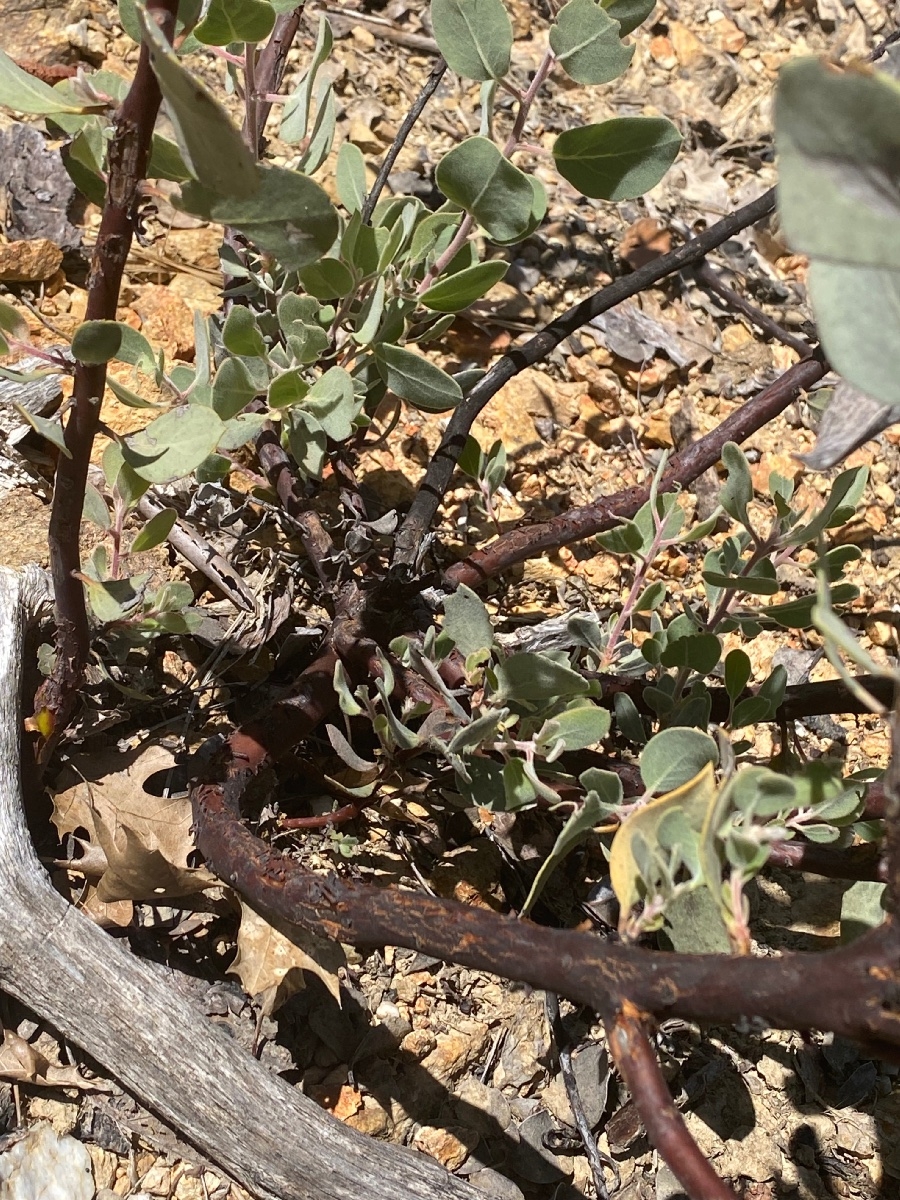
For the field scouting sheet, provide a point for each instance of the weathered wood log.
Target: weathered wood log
(263, 1133)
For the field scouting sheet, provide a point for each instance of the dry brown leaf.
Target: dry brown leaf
(20, 1062)
(270, 962)
(145, 839)
(644, 241)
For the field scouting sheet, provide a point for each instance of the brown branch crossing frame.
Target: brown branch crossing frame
(129, 152)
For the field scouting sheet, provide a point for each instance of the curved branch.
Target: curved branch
(850, 991)
(638, 1065)
(529, 541)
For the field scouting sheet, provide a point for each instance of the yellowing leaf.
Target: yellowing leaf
(270, 962)
(683, 811)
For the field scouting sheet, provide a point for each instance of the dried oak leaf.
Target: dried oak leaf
(20, 1062)
(270, 961)
(146, 839)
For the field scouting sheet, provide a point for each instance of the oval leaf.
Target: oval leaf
(587, 42)
(474, 36)
(416, 380)
(289, 216)
(477, 177)
(674, 756)
(235, 21)
(172, 445)
(463, 288)
(618, 159)
(155, 531)
(25, 94)
(467, 621)
(233, 388)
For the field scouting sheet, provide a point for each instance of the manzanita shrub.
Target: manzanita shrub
(332, 308)
(330, 305)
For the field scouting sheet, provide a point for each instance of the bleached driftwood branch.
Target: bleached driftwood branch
(258, 1129)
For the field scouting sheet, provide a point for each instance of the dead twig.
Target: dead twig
(596, 1160)
(406, 127)
(709, 279)
(202, 556)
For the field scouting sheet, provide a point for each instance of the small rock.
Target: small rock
(496, 1185)
(40, 1163)
(419, 1043)
(480, 1106)
(445, 1145)
(524, 1057)
(456, 1051)
(534, 1161)
(371, 1119)
(29, 261)
(166, 321)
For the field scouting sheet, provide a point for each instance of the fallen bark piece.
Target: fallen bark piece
(250, 1123)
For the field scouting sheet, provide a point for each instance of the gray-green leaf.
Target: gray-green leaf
(25, 94)
(467, 621)
(174, 444)
(477, 177)
(587, 42)
(465, 287)
(155, 531)
(235, 21)
(289, 215)
(416, 380)
(674, 756)
(212, 147)
(618, 159)
(474, 36)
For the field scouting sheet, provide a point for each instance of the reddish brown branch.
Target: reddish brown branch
(532, 540)
(853, 991)
(271, 65)
(638, 1065)
(129, 151)
(853, 862)
(281, 474)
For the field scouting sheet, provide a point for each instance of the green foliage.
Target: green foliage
(618, 159)
(235, 21)
(24, 93)
(839, 199)
(502, 199)
(12, 324)
(474, 36)
(586, 40)
(210, 144)
(464, 287)
(333, 313)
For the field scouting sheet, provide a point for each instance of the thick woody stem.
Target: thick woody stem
(529, 541)
(638, 1065)
(129, 152)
